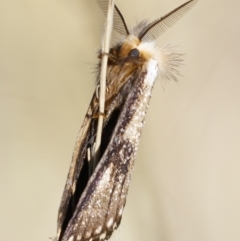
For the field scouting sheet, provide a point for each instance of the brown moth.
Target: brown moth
(95, 195)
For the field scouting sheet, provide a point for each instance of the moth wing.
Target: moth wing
(76, 165)
(99, 210)
(100, 207)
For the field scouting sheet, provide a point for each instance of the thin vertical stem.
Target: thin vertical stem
(105, 50)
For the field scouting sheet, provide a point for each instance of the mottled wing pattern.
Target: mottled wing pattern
(93, 201)
(76, 165)
(100, 207)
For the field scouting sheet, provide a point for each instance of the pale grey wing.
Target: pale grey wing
(79, 154)
(100, 207)
(99, 210)
(154, 29)
(119, 23)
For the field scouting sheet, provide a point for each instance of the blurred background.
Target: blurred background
(185, 185)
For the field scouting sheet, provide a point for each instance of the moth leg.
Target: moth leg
(98, 90)
(112, 56)
(99, 114)
(89, 154)
(90, 162)
(101, 54)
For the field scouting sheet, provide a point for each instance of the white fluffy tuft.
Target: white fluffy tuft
(170, 59)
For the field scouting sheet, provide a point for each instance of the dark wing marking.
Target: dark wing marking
(119, 23)
(158, 26)
(100, 207)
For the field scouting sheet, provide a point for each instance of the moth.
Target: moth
(95, 191)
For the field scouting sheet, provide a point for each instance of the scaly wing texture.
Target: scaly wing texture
(100, 207)
(78, 156)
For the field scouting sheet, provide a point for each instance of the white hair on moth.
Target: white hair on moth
(131, 39)
(151, 48)
(139, 27)
(168, 56)
(170, 60)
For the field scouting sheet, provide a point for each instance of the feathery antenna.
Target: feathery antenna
(158, 26)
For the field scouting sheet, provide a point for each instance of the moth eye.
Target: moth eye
(134, 53)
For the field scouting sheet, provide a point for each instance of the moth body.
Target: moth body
(95, 194)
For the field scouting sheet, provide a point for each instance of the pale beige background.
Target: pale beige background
(185, 185)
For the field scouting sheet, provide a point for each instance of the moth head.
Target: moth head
(138, 44)
(131, 48)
